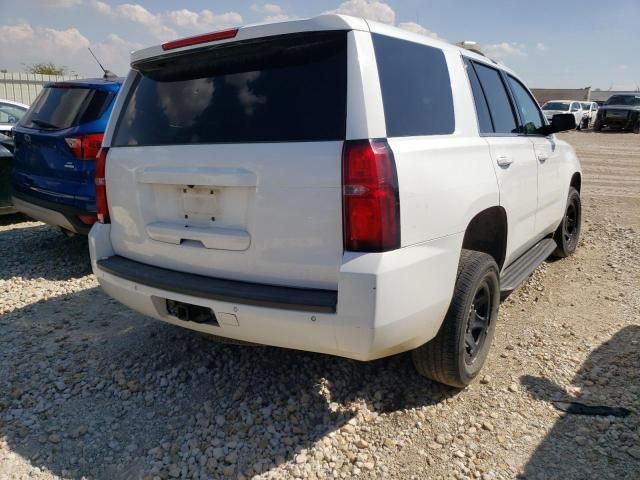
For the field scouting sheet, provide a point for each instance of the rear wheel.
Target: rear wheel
(568, 233)
(456, 355)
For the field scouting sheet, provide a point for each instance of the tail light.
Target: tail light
(102, 207)
(88, 219)
(370, 201)
(85, 147)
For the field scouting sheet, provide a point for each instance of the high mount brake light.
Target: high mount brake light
(102, 206)
(196, 40)
(85, 147)
(370, 199)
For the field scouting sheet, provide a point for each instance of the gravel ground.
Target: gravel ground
(89, 388)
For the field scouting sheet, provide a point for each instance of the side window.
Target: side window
(416, 89)
(504, 120)
(482, 108)
(10, 113)
(575, 107)
(529, 112)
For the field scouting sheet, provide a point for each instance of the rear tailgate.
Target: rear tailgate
(45, 165)
(227, 162)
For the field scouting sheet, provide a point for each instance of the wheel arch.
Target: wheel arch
(576, 181)
(487, 232)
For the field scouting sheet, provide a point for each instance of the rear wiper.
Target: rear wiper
(42, 123)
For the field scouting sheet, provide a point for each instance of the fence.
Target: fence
(24, 87)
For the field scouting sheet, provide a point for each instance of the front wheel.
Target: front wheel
(597, 126)
(568, 233)
(458, 352)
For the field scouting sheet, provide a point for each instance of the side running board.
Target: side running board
(518, 271)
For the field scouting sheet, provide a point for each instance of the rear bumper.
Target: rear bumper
(52, 213)
(385, 303)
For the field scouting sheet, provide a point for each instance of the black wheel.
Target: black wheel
(456, 355)
(568, 233)
(597, 126)
(636, 127)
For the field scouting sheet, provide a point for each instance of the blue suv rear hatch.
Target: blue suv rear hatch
(55, 147)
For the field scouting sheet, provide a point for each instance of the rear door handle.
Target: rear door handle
(503, 160)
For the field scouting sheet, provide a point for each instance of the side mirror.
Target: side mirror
(560, 122)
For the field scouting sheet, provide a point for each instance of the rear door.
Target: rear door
(226, 161)
(45, 164)
(512, 154)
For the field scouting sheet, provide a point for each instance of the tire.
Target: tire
(568, 233)
(449, 358)
(597, 127)
(636, 127)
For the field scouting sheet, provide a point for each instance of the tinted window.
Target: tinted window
(562, 106)
(631, 100)
(482, 109)
(416, 90)
(501, 112)
(57, 108)
(286, 88)
(575, 107)
(530, 115)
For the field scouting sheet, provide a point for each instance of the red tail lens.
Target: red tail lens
(207, 37)
(85, 147)
(370, 201)
(88, 219)
(102, 206)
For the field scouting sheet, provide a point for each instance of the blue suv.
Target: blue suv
(56, 143)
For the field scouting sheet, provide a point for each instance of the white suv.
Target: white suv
(332, 185)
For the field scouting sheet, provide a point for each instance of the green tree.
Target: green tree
(46, 69)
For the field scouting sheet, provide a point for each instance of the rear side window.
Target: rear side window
(279, 89)
(57, 107)
(504, 120)
(416, 89)
(482, 108)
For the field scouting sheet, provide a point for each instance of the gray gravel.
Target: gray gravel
(90, 389)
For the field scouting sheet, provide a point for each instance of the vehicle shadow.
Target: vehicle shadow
(90, 388)
(584, 445)
(41, 251)
(12, 218)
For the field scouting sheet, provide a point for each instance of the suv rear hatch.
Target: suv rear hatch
(45, 164)
(226, 161)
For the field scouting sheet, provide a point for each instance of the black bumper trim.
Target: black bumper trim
(231, 291)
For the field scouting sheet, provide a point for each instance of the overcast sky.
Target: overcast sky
(550, 43)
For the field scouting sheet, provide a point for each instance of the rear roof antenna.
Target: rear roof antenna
(108, 74)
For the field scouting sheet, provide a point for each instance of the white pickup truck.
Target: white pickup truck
(332, 185)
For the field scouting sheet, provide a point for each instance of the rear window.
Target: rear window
(416, 89)
(57, 107)
(288, 88)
